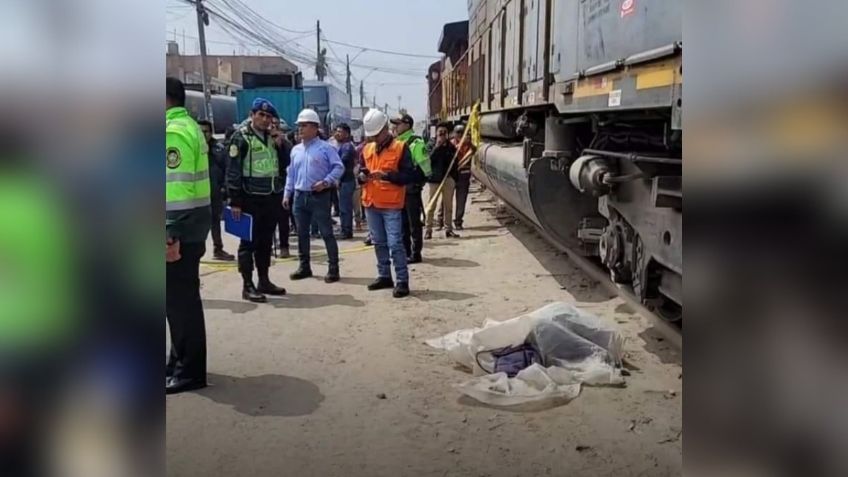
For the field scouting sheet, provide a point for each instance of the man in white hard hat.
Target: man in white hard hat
(388, 169)
(314, 171)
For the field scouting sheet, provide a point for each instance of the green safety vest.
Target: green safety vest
(186, 163)
(261, 160)
(418, 151)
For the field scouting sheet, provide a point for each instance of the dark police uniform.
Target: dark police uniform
(255, 183)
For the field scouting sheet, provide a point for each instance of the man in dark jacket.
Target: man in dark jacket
(284, 148)
(412, 224)
(217, 179)
(347, 185)
(440, 161)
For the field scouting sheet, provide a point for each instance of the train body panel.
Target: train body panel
(581, 104)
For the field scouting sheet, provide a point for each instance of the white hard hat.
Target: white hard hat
(374, 122)
(308, 116)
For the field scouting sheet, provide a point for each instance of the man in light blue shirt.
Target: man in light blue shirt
(314, 171)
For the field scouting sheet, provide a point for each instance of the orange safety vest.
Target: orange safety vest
(383, 194)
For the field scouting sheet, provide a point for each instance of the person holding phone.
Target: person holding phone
(387, 170)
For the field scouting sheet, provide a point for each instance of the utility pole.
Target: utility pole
(361, 94)
(319, 63)
(203, 19)
(347, 83)
(399, 103)
(374, 102)
(386, 109)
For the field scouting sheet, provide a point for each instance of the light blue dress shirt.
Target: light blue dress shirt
(312, 162)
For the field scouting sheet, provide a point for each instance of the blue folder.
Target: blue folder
(243, 228)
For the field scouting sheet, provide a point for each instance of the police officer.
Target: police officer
(187, 219)
(255, 183)
(413, 233)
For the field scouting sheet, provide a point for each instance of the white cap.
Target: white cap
(308, 116)
(374, 122)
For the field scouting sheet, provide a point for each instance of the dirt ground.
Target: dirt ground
(296, 384)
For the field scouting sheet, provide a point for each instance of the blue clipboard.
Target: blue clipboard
(243, 228)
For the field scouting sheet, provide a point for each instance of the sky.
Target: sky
(404, 26)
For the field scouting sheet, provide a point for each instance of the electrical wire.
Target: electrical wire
(387, 52)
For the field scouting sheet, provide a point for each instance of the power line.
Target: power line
(388, 52)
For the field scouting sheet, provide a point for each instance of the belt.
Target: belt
(312, 192)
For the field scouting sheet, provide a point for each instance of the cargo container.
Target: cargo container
(288, 102)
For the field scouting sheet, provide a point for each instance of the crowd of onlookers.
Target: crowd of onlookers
(346, 207)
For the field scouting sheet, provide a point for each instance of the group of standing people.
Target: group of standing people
(258, 171)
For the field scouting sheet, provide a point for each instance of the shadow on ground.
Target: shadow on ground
(265, 395)
(433, 295)
(356, 280)
(238, 307)
(451, 262)
(485, 228)
(311, 300)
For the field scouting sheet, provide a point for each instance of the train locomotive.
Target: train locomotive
(581, 125)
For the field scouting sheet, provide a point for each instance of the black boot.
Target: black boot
(250, 293)
(415, 258)
(220, 254)
(301, 273)
(381, 283)
(401, 290)
(332, 275)
(265, 286)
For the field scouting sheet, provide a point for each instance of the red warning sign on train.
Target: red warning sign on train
(627, 7)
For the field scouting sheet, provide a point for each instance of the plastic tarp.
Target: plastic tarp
(577, 348)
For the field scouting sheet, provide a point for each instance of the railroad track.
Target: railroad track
(672, 332)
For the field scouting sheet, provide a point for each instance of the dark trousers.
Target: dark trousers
(184, 312)
(314, 208)
(217, 210)
(462, 185)
(283, 223)
(334, 200)
(265, 210)
(413, 232)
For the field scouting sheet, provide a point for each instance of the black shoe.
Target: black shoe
(343, 236)
(250, 293)
(265, 286)
(428, 234)
(222, 255)
(451, 234)
(458, 227)
(381, 283)
(284, 252)
(368, 242)
(178, 385)
(300, 274)
(332, 276)
(415, 258)
(401, 290)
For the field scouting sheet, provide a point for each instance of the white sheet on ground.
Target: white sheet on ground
(577, 348)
